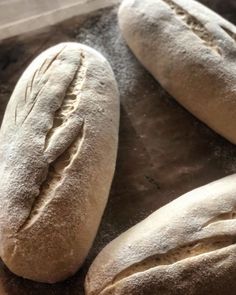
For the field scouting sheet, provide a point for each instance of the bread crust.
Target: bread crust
(186, 247)
(191, 51)
(58, 151)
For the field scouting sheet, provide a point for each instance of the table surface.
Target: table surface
(163, 150)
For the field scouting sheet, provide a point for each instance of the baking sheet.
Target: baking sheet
(163, 150)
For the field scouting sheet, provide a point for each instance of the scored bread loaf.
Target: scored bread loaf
(186, 247)
(191, 51)
(58, 151)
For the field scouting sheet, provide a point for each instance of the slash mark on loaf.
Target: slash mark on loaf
(57, 168)
(223, 216)
(230, 33)
(70, 102)
(54, 179)
(179, 254)
(195, 26)
(35, 85)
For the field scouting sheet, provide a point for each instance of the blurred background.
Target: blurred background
(21, 16)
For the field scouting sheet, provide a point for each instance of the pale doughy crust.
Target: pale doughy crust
(191, 51)
(186, 247)
(58, 151)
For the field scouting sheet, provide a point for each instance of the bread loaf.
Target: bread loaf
(191, 51)
(58, 152)
(186, 247)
